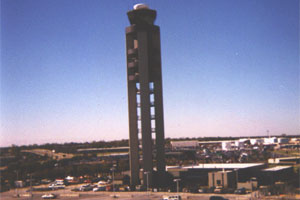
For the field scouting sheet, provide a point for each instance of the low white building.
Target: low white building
(227, 145)
(232, 145)
(239, 144)
(256, 141)
(271, 140)
(190, 144)
(295, 140)
(283, 140)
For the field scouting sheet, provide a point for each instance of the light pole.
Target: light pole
(113, 177)
(177, 183)
(30, 184)
(147, 174)
(17, 183)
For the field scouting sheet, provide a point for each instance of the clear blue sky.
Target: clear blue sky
(230, 68)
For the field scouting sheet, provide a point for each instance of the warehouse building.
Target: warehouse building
(272, 175)
(198, 174)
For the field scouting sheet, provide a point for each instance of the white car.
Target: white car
(49, 196)
(102, 188)
(86, 187)
(102, 183)
(55, 186)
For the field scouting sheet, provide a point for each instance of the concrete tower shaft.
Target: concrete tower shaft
(145, 101)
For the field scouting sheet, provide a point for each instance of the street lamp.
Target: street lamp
(17, 183)
(30, 184)
(147, 174)
(177, 183)
(113, 176)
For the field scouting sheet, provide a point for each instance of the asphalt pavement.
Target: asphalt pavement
(67, 194)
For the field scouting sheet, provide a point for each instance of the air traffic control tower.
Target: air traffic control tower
(145, 101)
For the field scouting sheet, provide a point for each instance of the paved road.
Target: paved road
(120, 195)
(67, 194)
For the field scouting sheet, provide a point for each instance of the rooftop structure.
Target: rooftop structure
(292, 159)
(215, 142)
(272, 175)
(225, 166)
(277, 168)
(110, 149)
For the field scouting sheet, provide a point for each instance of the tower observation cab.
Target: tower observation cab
(145, 100)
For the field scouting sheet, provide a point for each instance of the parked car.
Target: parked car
(75, 189)
(229, 190)
(217, 198)
(219, 191)
(194, 190)
(100, 183)
(49, 196)
(86, 187)
(45, 181)
(172, 197)
(87, 181)
(206, 190)
(102, 188)
(202, 190)
(125, 188)
(240, 191)
(55, 186)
